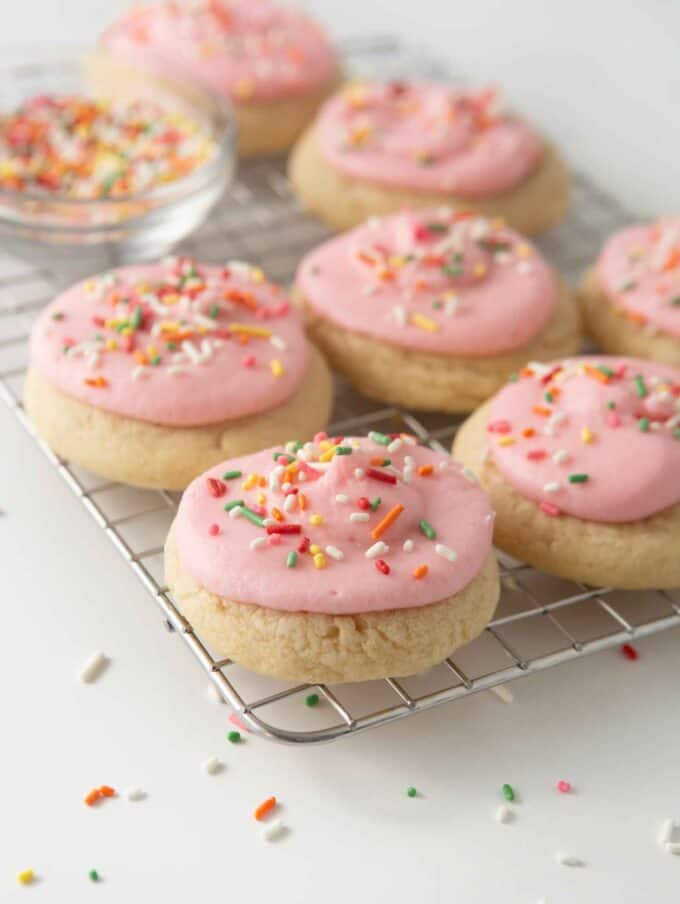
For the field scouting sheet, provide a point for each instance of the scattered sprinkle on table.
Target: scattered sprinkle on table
(312, 700)
(264, 808)
(629, 651)
(97, 794)
(411, 791)
(234, 737)
(508, 792)
(213, 765)
(272, 830)
(503, 813)
(568, 859)
(135, 793)
(26, 876)
(563, 787)
(93, 875)
(93, 667)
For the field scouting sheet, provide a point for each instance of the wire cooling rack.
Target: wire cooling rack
(541, 621)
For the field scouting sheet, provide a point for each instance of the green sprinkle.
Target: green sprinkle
(136, 319)
(508, 792)
(58, 315)
(65, 349)
(577, 478)
(548, 396)
(676, 433)
(231, 475)
(643, 424)
(675, 301)
(513, 378)
(277, 455)
(214, 311)
(171, 346)
(234, 737)
(611, 405)
(411, 791)
(607, 371)
(628, 286)
(427, 529)
(155, 361)
(233, 504)
(123, 325)
(252, 516)
(343, 450)
(640, 386)
(93, 875)
(437, 304)
(108, 183)
(98, 337)
(291, 559)
(453, 270)
(297, 445)
(379, 438)
(376, 502)
(312, 700)
(493, 246)
(436, 227)
(386, 462)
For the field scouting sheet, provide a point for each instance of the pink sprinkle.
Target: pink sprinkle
(234, 719)
(620, 370)
(259, 510)
(214, 530)
(614, 419)
(536, 454)
(249, 361)
(319, 437)
(549, 509)
(564, 787)
(281, 309)
(273, 539)
(499, 427)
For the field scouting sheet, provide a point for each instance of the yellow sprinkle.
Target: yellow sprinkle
(171, 298)
(111, 323)
(90, 286)
(480, 269)
(314, 549)
(260, 331)
(524, 250)
(26, 876)
(587, 435)
(244, 87)
(111, 345)
(257, 275)
(276, 367)
(302, 501)
(359, 135)
(151, 351)
(319, 560)
(316, 520)
(126, 331)
(506, 441)
(261, 498)
(324, 444)
(327, 455)
(424, 323)
(249, 482)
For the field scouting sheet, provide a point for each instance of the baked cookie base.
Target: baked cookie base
(640, 555)
(158, 457)
(318, 648)
(430, 382)
(342, 201)
(618, 334)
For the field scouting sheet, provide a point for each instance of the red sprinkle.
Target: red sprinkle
(614, 419)
(363, 503)
(284, 528)
(549, 509)
(304, 544)
(383, 476)
(564, 787)
(249, 361)
(382, 566)
(499, 427)
(214, 530)
(216, 487)
(536, 454)
(629, 652)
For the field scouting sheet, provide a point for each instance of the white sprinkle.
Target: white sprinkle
(552, 487)
(335, 553)
(407, 475)
(359, 473)
(503, 693)
(665, 835)
(289, 502)
(399, 314)
(212, 765)
(467, 473)
(451, 306)
(503, 814)
(236, 512)
(445, 552)
(257, 542)
(408, 546)
(395, 445)
(359, 516)
(176, 370)
(341, 498)
(212, 694)
(140, 372)
(135, 793)
(278, 342)
(204, 321)
(673, 847)
(556, 419)
(191, 351)
(272, 830)
(524, 267)
(377, 549)
(568, 859)
(560, 456)
(93, 668)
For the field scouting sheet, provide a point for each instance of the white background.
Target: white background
(603, 79)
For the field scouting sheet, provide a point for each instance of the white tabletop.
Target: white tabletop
(606, 724)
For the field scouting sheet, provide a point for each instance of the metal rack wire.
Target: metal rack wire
(541, 621)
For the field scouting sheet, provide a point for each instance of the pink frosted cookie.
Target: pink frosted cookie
(376, 147)
(434, 310)
(149, 374)
(338, 560)
(581, 459)
(631, 298)
(273, 63)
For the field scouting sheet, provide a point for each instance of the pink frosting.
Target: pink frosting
(326, 503)
(427, 136)
(639, 270)
(179, 343)
(440, 281)
(242, 49)
(593, 437)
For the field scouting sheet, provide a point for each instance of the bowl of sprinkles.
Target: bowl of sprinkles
(112, 178)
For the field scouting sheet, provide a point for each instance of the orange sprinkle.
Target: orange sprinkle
(140, 357)
(425, 470)
(377, 460)
(265, 807)
(302, 501)
(278, 514)
(673, 260)
(97, 382)
(93, 797)
(541, 411)
(528, 431)
(596, 374)
(107, 791)
(420, 572)
(526, 372)
(635, 317)
(388, 520)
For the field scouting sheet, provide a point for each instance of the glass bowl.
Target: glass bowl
(95, 234)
